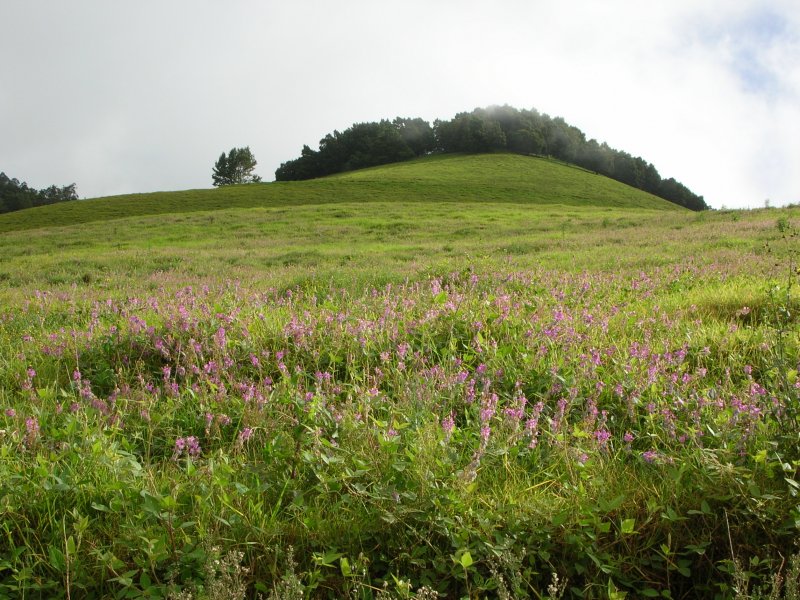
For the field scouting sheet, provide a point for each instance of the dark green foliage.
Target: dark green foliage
(362, 145)
(16, 195)
(676, 192)
(417, 134)
(493, 129)
(236, 167)
(526, 141)
(470, 133)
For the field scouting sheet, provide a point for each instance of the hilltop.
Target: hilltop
(484, 130)
(486, 178)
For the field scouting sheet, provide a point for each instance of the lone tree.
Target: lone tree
(236, 167)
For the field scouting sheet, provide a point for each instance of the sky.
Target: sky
(122, 97)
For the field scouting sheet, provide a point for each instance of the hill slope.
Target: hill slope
(524, 377)
(468, 379)
(451, 178)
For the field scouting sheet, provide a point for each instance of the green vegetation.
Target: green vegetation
(16, 195)
(453, 377)
(488, 179)
(235, 167)
(494, 129)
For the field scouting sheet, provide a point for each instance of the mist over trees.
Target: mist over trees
(16, 195)
(493, 129)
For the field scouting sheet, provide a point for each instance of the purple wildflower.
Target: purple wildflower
(220, 337)
(448, 424)
(650, 456)
(602, 436)
(188, 445)
(32, 429)
(488, 408)
(245, 434)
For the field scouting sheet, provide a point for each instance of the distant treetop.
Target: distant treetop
(493, 129)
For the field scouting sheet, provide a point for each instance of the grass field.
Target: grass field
(485, 178)
(491, 376)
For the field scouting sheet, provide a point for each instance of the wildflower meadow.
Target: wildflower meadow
(620, 421)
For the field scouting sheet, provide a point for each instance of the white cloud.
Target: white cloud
(141, 97)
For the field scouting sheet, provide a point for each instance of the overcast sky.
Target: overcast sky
(142, 96)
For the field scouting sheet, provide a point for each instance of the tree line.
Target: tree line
(16, 195)
(493, 129)
(362, 145)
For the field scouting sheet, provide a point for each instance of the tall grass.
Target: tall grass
(574, 401)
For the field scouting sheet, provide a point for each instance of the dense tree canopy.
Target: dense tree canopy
(493, 129)
(362, 145)
(235, 167)
(16, 195)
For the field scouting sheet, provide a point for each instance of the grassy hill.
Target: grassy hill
(379, 225)
(465, 374)
(475, 178)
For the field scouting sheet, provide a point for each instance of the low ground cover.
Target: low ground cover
(357, 400)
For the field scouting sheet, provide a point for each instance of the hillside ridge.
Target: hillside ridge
(508, 178)
(484, 130)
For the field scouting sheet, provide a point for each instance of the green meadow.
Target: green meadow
(483, 178)
(488, 376)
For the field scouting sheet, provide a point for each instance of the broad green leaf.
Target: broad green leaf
(344, 565)
(466, 560)
(628, 526)
(559, 518)
(56, 558)
(613, 504)
(579, 433)
(327, 559)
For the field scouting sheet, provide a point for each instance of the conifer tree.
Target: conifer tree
(235, 167)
